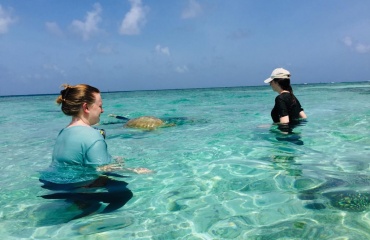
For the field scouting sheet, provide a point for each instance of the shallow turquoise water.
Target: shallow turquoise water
(222, 174)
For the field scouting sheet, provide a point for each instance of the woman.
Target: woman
(287, 110)
(80, 160)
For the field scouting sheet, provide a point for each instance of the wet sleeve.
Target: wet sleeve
(275, 115)
(281, 107)
(299, 105)
(98, 154)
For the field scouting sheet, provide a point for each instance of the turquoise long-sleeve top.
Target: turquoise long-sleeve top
(77, 152)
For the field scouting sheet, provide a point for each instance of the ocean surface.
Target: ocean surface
(222, 172)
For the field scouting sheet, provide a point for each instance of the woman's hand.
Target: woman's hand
(140, 170)
(109, 168)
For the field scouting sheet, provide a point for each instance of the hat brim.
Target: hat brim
(268, 80)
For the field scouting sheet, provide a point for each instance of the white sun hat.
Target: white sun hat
(278, 73)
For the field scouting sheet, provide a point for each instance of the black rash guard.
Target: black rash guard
(286, 106)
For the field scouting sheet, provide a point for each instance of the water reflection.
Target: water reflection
(344, 193)
(288, 164)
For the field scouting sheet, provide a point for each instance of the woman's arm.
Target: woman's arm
(115, 167)
(119, 166)
(302, 115)
(109, 168)
(284, 120)
(283, 125)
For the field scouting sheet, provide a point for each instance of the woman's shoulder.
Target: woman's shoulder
(281, 96)
(82, 131)
(284, 96)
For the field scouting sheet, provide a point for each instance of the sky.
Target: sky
(128, 45)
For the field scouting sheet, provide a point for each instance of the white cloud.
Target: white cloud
(163, 50)
(6, 19)
(347, 41)
(90, 25)
(192, 10)
(362, 48)
(134, 19)
(54, 68)
(54, 29)
(358, 47)
(182, 69)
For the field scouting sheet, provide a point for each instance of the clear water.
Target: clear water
(221, 175)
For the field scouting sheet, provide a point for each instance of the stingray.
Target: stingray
(149, 122)
(346, 200)
(351, 201)
(312, 193)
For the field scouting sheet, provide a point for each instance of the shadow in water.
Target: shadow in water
(285, 132)
(83, 200)
(291, 137)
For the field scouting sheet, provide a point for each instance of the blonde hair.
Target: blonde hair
(73, 97)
